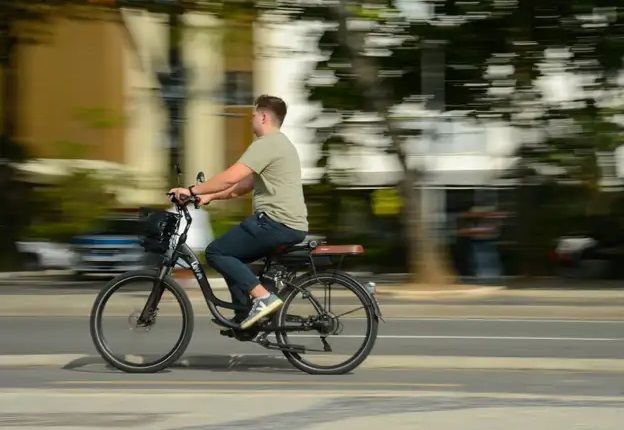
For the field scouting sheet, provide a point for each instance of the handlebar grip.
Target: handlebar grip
(173, 199)
(180, 202)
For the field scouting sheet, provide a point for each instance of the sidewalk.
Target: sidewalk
(516, 292)
(373, 362)
(424, 291)
(390, 279)
(396, 301)
(313, 409)
(51, 274)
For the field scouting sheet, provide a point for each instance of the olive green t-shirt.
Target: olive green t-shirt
(277, 180)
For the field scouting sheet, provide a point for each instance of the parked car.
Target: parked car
(41, 255)
(113, 249)
(116, 247)
(588, 257)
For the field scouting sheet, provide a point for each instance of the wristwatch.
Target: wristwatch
(191, 191)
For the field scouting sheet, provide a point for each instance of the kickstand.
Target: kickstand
(326, 346)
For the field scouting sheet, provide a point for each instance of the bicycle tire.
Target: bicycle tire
(96, 322)
(354, 361)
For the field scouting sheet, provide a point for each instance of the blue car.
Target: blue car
(111, 250)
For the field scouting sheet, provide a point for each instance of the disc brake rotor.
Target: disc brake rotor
(134, 324)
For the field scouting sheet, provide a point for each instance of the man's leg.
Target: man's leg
(254, 238)
(239, 297)
(228, 255)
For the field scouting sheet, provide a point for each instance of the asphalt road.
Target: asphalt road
(427, 336)
(253, 376)
(444, 363)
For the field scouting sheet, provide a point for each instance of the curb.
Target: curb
(34, 274)
(495, 363)
(374, 362)
(403, 292)
(398, 291)
(27, 360)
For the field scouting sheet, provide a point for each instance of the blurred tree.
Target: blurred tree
(551, 71)
(78, 201)
(493, 59)
(74, 205)
(371, 63)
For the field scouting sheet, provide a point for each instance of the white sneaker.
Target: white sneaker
(261, 308)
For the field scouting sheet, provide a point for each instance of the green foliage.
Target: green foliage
(223, 218)
(70, 207)
(493, 55)
(473, 38)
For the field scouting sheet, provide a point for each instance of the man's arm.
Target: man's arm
(225, 180)
(217, 184)
(243, 187)
(240, 189)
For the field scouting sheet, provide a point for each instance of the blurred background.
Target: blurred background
(456, 140)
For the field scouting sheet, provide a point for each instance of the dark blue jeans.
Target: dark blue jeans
(254, 238)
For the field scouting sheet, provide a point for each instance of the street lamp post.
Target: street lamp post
(173, 90)
(173, 82)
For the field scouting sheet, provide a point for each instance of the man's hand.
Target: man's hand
(181, 194)
(204, 199)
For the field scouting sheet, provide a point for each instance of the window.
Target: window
(238, 88)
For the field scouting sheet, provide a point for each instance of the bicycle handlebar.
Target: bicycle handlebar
(184, 202)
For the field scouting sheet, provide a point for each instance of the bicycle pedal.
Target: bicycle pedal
(219, 323)
(227, 332)
(263, 321)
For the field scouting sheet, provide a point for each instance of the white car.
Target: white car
(40, 255)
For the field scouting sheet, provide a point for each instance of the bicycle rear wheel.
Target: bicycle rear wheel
(141, 347)
(345, 327)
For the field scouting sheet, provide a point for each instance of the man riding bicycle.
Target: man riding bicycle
(271, 167)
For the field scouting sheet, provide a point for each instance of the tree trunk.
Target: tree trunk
(425, 260)
(9, 197)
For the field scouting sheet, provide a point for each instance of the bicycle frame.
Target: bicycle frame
(188, 256)
(294, 275)
(183, 252)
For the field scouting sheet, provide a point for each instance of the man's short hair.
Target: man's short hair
(273, 104)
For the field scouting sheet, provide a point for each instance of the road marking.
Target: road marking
(406, 319)
(373, 362)
(581, 339)
(259, 383)
(399, 319)
(176, 393)
(497, 320)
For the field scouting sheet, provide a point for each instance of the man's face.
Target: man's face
(257, 120)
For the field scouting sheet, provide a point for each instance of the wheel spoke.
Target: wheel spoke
(351, 338)
(129, 345)
(350, 312)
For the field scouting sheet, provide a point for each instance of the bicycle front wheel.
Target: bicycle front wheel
(141, 346)
(337, 321)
